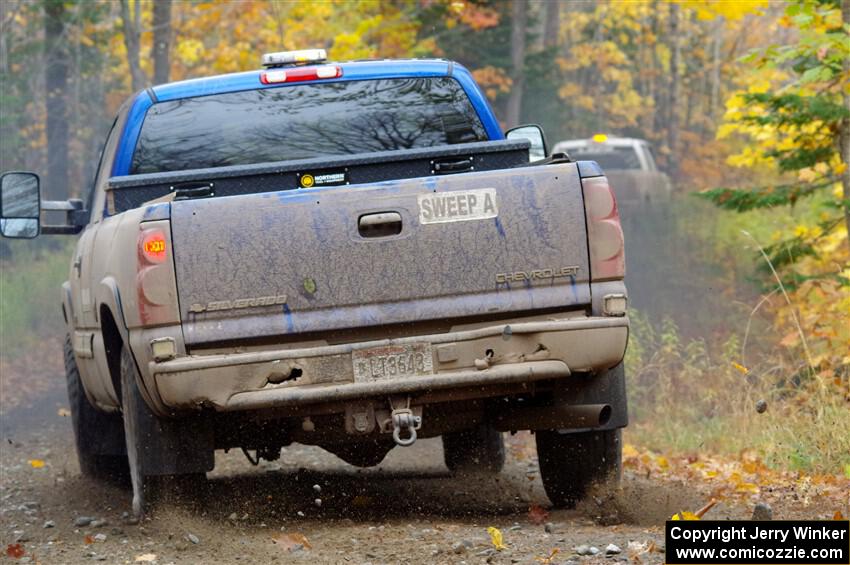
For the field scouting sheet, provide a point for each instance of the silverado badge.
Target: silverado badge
(219, 305)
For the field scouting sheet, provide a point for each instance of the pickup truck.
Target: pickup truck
(350, 255)
(629, 164)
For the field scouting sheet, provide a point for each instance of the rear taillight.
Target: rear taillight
(155, 282)
(604, 233)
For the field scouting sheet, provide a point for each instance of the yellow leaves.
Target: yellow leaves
(493, 80)
(475, 16)
(189, 51)
(36, 463)
(629, 451)
(708, 10)
(747, 488)
(496, 538)
(695, 515)
(759, 86)
(549, 558)
(740, 368)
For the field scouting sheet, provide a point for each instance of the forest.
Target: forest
(746, 103)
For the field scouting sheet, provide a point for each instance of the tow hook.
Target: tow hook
(404, 422)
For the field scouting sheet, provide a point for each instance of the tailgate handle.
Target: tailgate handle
(457, 166)
(382, 224)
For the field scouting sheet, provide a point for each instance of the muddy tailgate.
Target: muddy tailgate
(306, 261)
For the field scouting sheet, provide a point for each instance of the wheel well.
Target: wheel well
(112, 344)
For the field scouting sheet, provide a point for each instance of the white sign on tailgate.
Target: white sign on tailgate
(458, 206)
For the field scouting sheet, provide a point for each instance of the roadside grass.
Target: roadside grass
(31, 275)
(688, 397)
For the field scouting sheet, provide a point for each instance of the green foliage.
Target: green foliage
(743, 200)
(794, 127)
(30, 297)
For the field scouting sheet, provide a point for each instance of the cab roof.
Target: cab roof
(351, 70)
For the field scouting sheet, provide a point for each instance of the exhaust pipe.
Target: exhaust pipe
(557, 417)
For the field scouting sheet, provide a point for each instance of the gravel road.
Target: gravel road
(311, 507)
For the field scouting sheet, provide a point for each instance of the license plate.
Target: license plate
(392, 361)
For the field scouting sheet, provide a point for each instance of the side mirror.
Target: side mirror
(20, 205)
(534, 134)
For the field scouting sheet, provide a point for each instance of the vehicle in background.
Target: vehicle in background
(628, 163)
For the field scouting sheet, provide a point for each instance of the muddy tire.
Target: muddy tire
(164, 455)
(99, 436)
(479, 450)
(571, 462)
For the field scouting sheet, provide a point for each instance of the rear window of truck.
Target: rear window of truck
(305, 121)
(609, 158)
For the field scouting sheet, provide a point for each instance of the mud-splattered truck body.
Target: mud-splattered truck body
(348, 255)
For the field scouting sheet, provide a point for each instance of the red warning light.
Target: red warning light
(153, 246)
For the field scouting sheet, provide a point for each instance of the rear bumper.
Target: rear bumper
(530, 351)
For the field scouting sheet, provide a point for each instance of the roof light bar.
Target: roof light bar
(299, 74)
(302, 57)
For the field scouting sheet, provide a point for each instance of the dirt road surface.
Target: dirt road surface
(311, 507)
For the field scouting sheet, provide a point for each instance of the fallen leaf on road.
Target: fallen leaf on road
(537, 515)
(15, 550)
(36, 463)
(146, 558)
(548, 560)
(701, 512)
(695, 515)
(64, 412)
(747, 487)
(291, 542)
(496, 538)
(88, 540)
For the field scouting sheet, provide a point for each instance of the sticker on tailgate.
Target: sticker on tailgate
(458, 206)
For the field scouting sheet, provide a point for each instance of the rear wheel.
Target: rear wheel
(99, 436)
(479, 450)
(571, 462)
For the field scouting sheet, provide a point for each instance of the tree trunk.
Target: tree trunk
(56, 81)
(161, 41)
(519, 22)
(672, 107)
(552, 25)
(714, 99)
(845, 129)
(131, 42)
